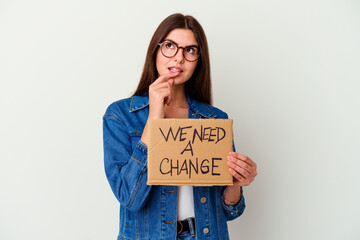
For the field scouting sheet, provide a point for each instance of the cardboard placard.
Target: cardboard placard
(189, 152)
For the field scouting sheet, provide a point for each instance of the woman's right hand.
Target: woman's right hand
(160, 93)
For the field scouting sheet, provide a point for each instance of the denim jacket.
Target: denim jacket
(150, 212)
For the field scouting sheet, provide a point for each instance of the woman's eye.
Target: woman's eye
(191, 50)
(169, 45)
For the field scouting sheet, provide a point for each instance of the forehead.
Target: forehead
(183, 37)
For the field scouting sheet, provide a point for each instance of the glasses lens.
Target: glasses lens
(168, 49)
(191, 53)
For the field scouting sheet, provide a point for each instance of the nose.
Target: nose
(179, 57)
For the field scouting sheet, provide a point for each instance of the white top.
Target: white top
(185, 207)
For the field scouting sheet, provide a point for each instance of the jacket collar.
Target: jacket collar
(140, 102)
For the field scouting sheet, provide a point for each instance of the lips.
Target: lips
(175, 69)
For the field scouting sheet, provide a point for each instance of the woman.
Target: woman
(175, 83)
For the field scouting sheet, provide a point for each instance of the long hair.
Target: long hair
(199, 85)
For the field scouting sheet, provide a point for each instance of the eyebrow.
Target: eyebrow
(194, 45)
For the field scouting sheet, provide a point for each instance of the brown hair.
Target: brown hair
(199, 85)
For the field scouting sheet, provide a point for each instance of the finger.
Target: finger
(164, 93)
(241, 164)
(243, 158)
(160, 96)
(164, 85)
(168, 100)
(160, 86)
(236, 175)
(240, 180)
(170, 82)
(239, 170)
(165, 77)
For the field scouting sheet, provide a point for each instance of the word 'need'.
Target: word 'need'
(209, 134)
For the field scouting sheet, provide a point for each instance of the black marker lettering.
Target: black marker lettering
(161, 163)
(183, 133)
(214, 166)
(173, 167)
(206, 167)
(206, 134)
(168, 134)
(196, 169)
(197, 133)
(188, 149)
(183, 168)
(218, 134)
(212, 135)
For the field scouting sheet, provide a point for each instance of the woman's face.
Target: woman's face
(165, 65)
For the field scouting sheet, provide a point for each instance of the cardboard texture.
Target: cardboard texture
(189, 152)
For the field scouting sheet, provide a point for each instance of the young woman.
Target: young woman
(175, 83)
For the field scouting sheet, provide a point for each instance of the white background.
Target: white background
(287, 72)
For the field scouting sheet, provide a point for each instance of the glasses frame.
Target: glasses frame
(177, 50)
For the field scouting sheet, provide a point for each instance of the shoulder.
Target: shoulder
(123, 107)
(118, 107)
(217, 111)
(206, 110)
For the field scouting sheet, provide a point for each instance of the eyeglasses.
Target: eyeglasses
(169, 49)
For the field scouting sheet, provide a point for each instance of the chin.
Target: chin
(179, 81)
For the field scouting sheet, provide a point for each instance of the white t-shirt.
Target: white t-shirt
(185, 202)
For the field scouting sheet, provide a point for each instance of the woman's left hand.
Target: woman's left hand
(242, 168)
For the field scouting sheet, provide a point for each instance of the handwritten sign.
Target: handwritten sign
(189, 152)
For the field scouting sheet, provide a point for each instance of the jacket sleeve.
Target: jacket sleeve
(233, 211)
(125, 168)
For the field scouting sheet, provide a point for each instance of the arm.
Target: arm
(233, 210)
(243, 170)
(125, 168)
(233, 200)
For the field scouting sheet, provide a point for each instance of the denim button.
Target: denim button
(206, 230)
(203, 200)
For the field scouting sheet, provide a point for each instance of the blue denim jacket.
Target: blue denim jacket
(150, 212)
